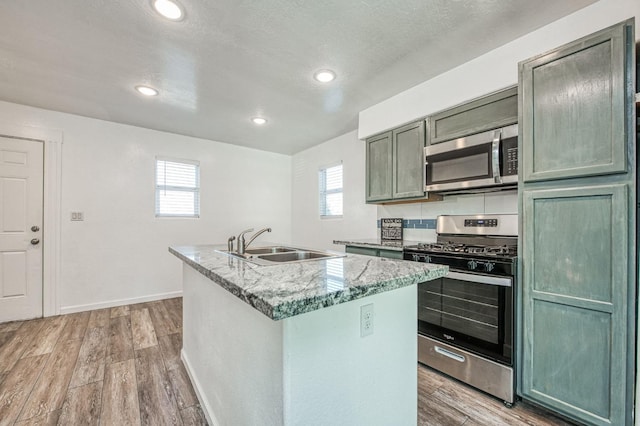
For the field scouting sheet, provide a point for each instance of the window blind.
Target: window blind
(177, 188)
(330, 180)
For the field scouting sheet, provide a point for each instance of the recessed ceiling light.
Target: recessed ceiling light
(147, 91)
(324, 76)
(170, 9)
(259, 120)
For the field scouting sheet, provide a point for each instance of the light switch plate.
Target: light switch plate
(77, 216)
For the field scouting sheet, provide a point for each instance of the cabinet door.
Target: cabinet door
(575, 353)
(379, 167)
(390, 254)
(408, 161)
(479, 115)
(573, 108)
(361, 250)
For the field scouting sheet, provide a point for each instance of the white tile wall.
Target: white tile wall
(505, 202)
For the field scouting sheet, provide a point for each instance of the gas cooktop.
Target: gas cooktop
(454, 247)
(489, 237)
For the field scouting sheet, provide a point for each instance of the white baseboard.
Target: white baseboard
(120, 302)
(204, 404)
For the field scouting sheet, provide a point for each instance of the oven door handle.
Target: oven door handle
(449, 354)
(482, 279)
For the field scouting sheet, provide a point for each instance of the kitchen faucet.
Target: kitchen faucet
(242, 245)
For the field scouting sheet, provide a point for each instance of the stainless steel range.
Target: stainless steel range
(466, 319)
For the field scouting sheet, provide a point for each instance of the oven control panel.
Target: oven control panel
(477, 223)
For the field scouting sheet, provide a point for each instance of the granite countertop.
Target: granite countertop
(377, 243)
(285, 290)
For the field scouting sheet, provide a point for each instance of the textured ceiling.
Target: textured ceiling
(230, 60)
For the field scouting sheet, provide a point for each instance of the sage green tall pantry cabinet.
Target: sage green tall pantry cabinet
(578, 211)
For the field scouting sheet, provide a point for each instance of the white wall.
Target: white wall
(359, 219)
(118, 254)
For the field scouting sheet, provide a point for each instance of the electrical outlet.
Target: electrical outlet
(77, 216)
(366, 320)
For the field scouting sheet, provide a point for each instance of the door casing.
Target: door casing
(52, 140)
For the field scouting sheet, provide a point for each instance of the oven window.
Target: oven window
(468, 308)
(460, 168)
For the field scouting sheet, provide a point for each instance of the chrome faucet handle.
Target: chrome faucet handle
(241, 240)
(230, 243)
(244, 232)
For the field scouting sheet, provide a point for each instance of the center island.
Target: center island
(317, 342)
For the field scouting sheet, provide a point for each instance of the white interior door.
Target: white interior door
(21, 205)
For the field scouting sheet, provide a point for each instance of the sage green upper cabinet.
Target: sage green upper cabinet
(566, 94)
(577, 281)
(495, 110)
(408, 161)
(395, 164)
(379, 164)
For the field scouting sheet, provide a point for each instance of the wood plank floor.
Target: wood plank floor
(443, 401)
(118, 366)
(121, 366)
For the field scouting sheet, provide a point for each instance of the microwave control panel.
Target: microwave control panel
(510, 157)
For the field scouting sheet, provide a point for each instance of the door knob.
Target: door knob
(35, 228)
(35, 241)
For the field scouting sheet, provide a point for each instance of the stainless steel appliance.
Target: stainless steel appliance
(484, 161)
(466, 319)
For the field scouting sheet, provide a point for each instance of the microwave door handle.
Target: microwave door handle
(426, 163)
(495, 156)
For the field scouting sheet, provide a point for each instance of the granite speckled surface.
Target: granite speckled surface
(285, 290)
(377, 243)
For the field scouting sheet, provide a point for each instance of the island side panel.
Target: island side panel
(332, 376)
(233, 354)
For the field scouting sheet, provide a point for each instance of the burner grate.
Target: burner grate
(468, 248)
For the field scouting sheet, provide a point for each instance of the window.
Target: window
(177, 188)
(331, 191)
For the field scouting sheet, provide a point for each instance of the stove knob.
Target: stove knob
(472, 264)
(427, 259)
(488, 267)
(415, 257)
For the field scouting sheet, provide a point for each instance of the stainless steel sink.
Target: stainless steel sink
(268, 250)
(295, 256)
(273, 255)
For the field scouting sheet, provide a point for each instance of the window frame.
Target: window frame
(323, 192)
(195, 191)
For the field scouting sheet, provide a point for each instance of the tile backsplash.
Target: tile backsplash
(417, 223)
(419, 219)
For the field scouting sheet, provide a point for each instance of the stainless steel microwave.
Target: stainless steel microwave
(484, 161)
